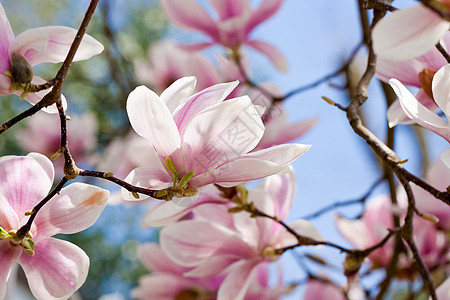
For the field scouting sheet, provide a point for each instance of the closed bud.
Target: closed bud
(21, 70)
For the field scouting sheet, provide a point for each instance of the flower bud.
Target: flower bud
(21, 70)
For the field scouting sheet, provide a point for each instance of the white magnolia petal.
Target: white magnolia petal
(151, 119)
(408, 33)
(441, 89)
(178, 92)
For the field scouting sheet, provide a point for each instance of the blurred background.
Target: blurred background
(316, 37)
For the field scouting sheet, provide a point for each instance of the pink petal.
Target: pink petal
(57, 269)
(188, 14)
(151, 119)
(281, 189)
(8, 217)
(408, 33)
(190, 243)
(265, 11)
(161, 286)
(178, 92)
(201, 101)
(5, 85)
(23, 182)
(230, 8)
(441, 89)
(9, 254)
(214, 265)
(355, 231)
(238, 171)
(319, 290)
(396, 114)
(75, 209)
(6, 37)
(280, 154)
(52, 43)
(443, 290)
(156, 260)
(44, 162)
(238, 281)
(272, 53)
(223, 131)
(196, 47)
(419, 113)
(165, 213)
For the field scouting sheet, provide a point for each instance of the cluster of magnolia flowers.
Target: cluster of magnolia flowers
(198, 141)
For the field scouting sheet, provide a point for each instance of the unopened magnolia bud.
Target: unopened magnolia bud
(431, 218)
(21, 70)
(135, 195)
(425, 79)
(352, 264)
(109, 174)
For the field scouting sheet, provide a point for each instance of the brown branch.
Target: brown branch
(131, 188)
(22, 232)
(407, 235)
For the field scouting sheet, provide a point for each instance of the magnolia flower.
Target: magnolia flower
(408, 33)
(373, 227)
(167, 280)
(32, 47)
(417, 72)
(55, 268)
(419, 113)
(210, 247)
(236, 20)
(42, 135)
(167, 62)
(201, 139)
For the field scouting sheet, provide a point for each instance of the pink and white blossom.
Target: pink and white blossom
(408, 33)
(416, 72)
(167, 62)
(418, 112)
(203, 138)
(236, 20)
(210, 247)
(39, 45)
(55, 269)
(373, 226)
(42, 135)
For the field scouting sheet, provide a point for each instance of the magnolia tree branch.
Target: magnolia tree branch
(57, 82)
(157, 194)
(22, 232)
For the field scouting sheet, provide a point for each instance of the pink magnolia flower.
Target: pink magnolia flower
(419, 113)
(55, 269)
(373, 227)
(209, 247)
(167, 280)
(415, 72)
(38, 45)
(236, 21)
(408, 33)
(167, 62)
(201, 139)
(438, 175)
(42, 135)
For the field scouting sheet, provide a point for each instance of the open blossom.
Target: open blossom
(54, 268)
(236, 21)
(417, 72)
(419, 113)
(42, 135)
(408, 33)
(215, 246)
(167, 280)
(32, 47)
(201, 139)
(373, 227)
(167, 62)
